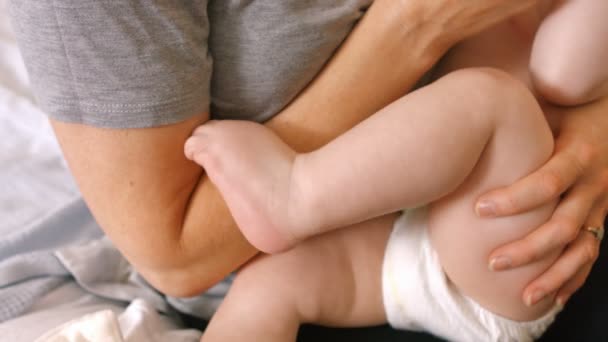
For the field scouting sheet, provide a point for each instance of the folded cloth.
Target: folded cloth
(138, 323)
(98, 326)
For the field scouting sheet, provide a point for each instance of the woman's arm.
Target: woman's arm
(172, 224)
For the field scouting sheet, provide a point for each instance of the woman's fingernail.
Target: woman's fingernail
(535, 297)
(500, 263)
(486, 208)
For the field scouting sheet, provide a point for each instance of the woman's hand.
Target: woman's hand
(457, 20)
(578, 171)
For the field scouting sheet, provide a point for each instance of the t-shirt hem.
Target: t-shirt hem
(126, 116)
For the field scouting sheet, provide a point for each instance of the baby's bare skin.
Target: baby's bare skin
(279, 197)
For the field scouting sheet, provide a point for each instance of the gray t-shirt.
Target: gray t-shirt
(143, 63)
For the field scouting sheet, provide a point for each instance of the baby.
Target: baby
(477, 127)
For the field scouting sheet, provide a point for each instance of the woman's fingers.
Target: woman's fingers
(561, 229)
(580, 167)
(578, 256)
(564, 294)
(547, 183)
(596, 219)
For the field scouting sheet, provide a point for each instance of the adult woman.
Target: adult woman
(166, 218)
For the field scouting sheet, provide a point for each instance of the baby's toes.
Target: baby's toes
(195, 146)
(204, 151)
(206, 128)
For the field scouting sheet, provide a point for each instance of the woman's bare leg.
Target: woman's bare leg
(333, 280)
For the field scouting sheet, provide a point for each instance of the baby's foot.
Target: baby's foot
(252, 169)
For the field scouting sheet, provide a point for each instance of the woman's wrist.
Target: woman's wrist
(417, 28)
(440, 24)
(380, 61)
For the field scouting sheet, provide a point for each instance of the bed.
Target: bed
(46, 232)
(49, 245)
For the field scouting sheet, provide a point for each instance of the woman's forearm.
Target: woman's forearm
(380, 61)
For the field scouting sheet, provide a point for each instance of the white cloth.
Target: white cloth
(418, 296)
(138, 323)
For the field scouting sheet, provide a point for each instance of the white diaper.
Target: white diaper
(418, 296)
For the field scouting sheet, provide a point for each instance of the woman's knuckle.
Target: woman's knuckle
(590, 253)
(603, 180)
(579, 282)
(574, 285)
(565, 230)
(529, 255)
(536, 249)
(585, 154)
(577, 285)
(551, 183)
(568, 237)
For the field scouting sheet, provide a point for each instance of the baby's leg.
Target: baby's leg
(414, 151)
(570, 51)
(521, 144)
(334, 280)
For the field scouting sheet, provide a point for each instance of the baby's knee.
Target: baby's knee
(504, 100)
(485, 79)
(491, 88)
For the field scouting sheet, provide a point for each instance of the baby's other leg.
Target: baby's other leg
(333, 279)
(570, 51)
(521, 143)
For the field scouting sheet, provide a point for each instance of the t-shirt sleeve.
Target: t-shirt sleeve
(116, 64)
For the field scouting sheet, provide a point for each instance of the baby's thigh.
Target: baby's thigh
(332, 279)
(463, 241)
